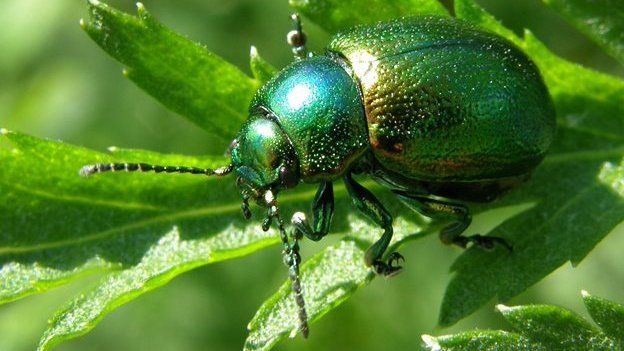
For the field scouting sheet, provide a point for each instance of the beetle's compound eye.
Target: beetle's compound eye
(288, 178)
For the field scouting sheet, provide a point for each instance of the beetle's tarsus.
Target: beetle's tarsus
(388, 269)
(395, 257)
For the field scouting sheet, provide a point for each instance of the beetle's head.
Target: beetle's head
(263, 159)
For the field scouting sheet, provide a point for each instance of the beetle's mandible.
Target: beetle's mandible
(436, 110)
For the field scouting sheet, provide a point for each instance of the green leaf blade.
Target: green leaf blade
(480, 340)
(328, 279)
(261, 70)
(608, 315)
(141, 230)
(334, 15)
(543, 327)
(470, 11)
(585, 100)
(602, 21)
(164, 260)
(182, 75)
(555, 328)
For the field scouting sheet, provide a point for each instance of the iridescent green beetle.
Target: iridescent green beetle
(433, 108)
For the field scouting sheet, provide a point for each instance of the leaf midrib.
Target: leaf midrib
(584, 155)
(84, 200)
(169, 217)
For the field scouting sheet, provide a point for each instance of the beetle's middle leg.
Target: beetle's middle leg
(368, 204)
(322, 210)
(459, 217)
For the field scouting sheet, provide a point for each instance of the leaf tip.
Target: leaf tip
(431, 342)
(142, 12)
(585, 294)
(94, 2)
(125, 72)
(502, 308)
(140, 8)
(3, 131)
(82, 23)
(293, 333)
(253, 51)
(297, 3)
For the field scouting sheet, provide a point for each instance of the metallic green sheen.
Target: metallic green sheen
(319, 107)
(261, 150)
(446, 102)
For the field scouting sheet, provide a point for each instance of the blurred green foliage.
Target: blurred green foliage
(56, 83)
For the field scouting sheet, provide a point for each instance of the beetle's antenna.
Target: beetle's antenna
(292, 259)
(144, 167)
(297, 39)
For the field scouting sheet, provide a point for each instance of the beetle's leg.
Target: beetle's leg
(368, 204)
(460, 218)
(297, 39)
(323, 211)
(291, 257)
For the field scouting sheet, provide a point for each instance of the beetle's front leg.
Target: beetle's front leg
(460, 218)
(323, 212)
(368, 204)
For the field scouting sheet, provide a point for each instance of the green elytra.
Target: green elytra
(438, 111)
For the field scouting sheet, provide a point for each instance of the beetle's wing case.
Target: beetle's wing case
(447, 102)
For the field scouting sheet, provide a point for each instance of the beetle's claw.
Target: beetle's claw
(395, 257)
(389, 269)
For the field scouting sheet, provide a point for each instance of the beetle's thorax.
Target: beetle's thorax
(318, 106)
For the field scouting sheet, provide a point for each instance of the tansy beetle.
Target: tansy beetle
(434, 109)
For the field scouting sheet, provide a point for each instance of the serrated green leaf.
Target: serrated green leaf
(334, 15)
(556, 328)
(181, 74)
(580, 170)
(151, 229)
(468, 10)
(602, 21)
(607, 314)
(143, 229)
(543, 327)
(480, 340)
(170, 256)
(328, 279)
(261, 70)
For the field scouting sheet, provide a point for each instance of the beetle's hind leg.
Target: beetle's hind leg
(460, 218)
(368, 204)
